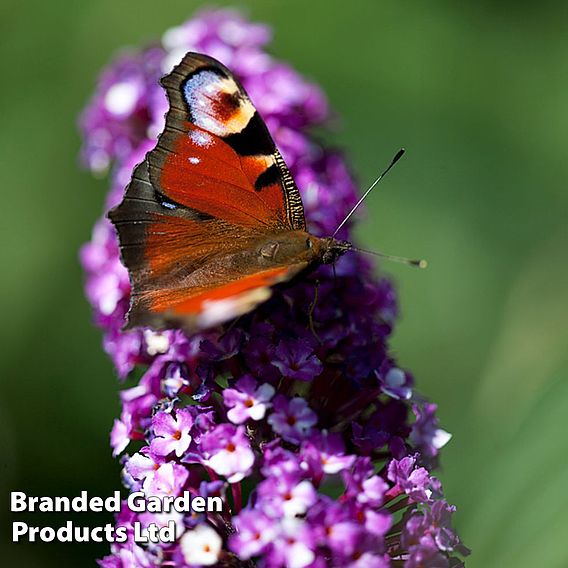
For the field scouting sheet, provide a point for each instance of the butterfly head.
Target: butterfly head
(331, 249)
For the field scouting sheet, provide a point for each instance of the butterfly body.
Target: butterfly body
(212, 218)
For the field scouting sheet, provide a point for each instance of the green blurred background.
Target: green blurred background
(476, 92)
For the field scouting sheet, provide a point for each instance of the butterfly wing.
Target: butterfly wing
(216, 154)
(195, 210)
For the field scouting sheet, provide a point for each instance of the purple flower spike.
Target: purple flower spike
(297, 416)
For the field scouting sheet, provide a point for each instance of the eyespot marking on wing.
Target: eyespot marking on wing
(216, 103)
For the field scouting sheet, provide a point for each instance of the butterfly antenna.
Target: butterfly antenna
(396, 158)
(419, 263)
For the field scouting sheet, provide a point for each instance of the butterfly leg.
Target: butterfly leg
(311, 313)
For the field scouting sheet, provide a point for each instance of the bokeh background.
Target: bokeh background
(478, 94)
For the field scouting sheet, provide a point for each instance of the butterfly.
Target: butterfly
(212, 219)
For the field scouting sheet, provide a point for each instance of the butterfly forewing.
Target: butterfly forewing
(215, 141)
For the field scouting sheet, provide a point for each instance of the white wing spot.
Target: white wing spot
(201, 138)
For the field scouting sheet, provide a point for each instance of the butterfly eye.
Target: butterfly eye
(309, 243)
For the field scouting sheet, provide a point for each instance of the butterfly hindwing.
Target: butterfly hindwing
(210, 304)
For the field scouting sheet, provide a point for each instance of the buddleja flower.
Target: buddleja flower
(297, 416)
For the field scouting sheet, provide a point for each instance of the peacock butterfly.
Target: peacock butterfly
(212, 218)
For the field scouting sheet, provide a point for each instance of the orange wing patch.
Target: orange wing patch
(202, 307)
(206, 174)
